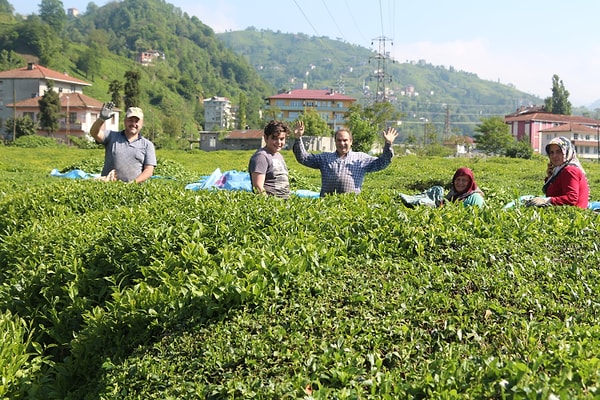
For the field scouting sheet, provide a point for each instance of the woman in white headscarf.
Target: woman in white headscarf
(566, 183)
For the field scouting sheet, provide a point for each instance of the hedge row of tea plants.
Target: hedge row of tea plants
(154, 292)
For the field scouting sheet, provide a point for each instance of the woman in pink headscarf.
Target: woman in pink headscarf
(464, 188)
(566, 183)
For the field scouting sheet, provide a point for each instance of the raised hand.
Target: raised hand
(299, 129)
(107, 110)
(390, 135)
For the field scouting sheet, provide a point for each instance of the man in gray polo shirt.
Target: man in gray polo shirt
(128, 156)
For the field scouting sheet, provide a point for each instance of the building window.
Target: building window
(587, 137)
(575, 136)
(30, 115)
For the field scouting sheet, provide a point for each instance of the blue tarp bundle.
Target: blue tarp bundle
(235, 180)
(73, 174)
(229, 180)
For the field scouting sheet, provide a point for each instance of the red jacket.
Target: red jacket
(570, 187)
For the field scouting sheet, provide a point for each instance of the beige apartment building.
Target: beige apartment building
(331, 106)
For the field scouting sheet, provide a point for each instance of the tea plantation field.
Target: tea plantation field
(151, 291)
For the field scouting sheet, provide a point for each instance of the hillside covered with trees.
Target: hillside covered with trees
(420, 90)
(101, 45)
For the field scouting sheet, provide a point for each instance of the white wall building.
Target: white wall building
(22, 88)
(217, 114)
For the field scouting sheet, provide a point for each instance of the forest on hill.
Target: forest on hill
(420, 90)
(100, 46)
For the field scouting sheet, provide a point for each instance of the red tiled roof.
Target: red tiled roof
(39, 72)
(312, 94)
(76, 100)
(549, 117)
(569, 127)
(246, 134)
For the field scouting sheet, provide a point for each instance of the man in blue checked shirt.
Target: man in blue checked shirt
(343, 171)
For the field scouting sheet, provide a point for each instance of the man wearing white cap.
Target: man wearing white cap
(128, 156)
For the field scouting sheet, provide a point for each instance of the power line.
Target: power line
(381, 18)
(307, 19)
(354, 21)
(333, 19)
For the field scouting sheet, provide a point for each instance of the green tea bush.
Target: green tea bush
(20, 359)
(34, 141)
(151, 291)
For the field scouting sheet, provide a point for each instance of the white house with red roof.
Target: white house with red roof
(331, 106)
(22, 88)
(541, 127)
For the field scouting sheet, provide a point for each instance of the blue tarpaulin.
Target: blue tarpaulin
(73, 174)
(235, 180)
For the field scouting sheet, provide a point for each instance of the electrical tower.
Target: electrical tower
(341, 85)
(380, 74)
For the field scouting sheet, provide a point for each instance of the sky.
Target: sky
(523, 43)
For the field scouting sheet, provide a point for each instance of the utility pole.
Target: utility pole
(446, 124)
(380, 74)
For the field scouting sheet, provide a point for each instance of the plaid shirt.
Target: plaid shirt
(342, 174)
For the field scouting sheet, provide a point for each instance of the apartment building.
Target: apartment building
(331, 106)
(541, 127)
(218, 115)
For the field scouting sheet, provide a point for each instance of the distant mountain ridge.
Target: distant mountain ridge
(421, 90)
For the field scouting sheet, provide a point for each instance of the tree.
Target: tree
(22, 126)
(10, 60)
(49, 109)
(40, 39)
(367, 123)
(381, 114)
(243, 111)
(314, 125)
(520, 149)
(364, 131)
(6, 7)
(559, 102)
(89, 60)
(132, 89)
(430, 134)
(53, 13)
(114, 89)
(272, 113)
(494, 137)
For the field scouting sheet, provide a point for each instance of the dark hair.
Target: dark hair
(342, 130)
(274, 128)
